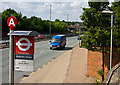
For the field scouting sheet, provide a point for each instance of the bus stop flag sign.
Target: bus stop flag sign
(24, 53)
(12, 22)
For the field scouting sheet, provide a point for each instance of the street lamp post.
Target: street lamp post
(50, 22)
(67, 21)
(110, 12)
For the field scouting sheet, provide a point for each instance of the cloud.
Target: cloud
(79, 4)
(42, 0)
(74, 4)
(42, 9)
(4, 6)
(56, 0)
(22, 5)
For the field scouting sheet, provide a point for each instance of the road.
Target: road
(42, 56)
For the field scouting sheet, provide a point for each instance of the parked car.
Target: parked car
(58, 41)
(47, 36)
(41, 36)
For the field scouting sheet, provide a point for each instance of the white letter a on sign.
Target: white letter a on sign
(11, 22)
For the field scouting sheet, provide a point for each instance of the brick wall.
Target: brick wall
(95, 62)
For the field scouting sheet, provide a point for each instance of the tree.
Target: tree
(46, 24)
(59, 26)
(98, 26)
(23, 24)
(33, 23)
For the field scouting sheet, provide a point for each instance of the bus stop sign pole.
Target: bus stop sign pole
(11, 60)
(11, 21)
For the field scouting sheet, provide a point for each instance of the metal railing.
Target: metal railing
(110, 74)
(4, 42)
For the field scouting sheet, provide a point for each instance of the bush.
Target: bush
(100, 72)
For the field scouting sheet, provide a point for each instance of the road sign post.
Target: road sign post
(11, 21)
(11, 61)
(21, 48)
(24, 49)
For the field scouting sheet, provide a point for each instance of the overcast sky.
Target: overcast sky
(41, 8)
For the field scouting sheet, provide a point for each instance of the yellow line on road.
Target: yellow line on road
(23, 78)
(38, 69)
(44, 65)
(52, 60)
(32, 73)
(48, 62)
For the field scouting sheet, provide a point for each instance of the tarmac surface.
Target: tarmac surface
(70, 67)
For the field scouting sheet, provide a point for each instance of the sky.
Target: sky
(41, 8)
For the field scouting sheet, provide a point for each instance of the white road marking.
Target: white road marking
(41, 51)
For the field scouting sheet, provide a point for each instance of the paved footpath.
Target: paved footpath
(70, 67)
(78, 67)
